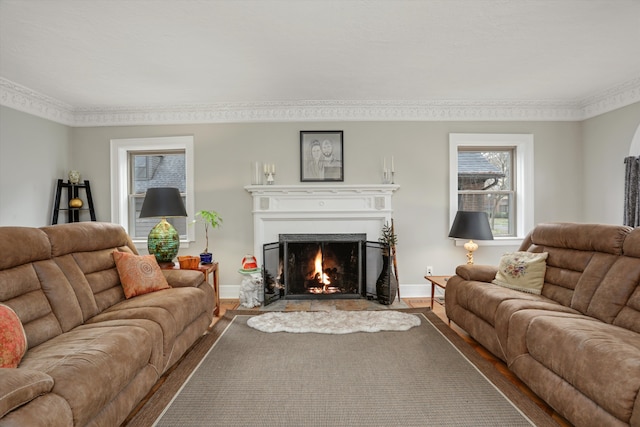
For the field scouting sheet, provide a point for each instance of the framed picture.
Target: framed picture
(321, 155)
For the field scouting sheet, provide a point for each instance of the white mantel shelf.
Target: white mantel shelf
(319, 208)
(321, 188)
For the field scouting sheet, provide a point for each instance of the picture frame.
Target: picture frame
(321, 156)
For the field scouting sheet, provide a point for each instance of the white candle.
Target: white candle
(384, 164)
(265, 168)
(392, 168)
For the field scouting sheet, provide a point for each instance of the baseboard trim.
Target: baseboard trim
(406, 290)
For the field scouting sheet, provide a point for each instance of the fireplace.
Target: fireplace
(320, 209)
(321, 266)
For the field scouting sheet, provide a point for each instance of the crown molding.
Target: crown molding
(29, 101)
(611, 99)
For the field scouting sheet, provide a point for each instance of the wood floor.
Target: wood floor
(438, 309)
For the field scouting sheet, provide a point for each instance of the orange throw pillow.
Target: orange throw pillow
(13, 341)
(139, 274)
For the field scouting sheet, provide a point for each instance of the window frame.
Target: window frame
(524, 175)
(121, 174)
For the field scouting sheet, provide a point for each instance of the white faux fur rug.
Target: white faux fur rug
(334, 322)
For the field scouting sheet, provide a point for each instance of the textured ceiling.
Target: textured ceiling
(97, 54)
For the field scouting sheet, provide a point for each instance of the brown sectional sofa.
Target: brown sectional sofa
(92, 354)
(577, 345)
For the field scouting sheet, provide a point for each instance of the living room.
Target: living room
(578, 173)
(575, 90)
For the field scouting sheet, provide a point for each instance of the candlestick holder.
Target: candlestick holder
(386, 176)
(393, 174)
(270, 176)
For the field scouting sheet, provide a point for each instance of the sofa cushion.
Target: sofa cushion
(588, 345)
(90, 366)
(616, 293)
(139, 274)
(20, 386)
(579, 256)
(13, 340)
(86, 237)
(172, 309)
(26, 245)
(583, 237)
(483, 299)
(522, 271)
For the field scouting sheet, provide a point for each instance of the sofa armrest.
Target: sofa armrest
(19, 386)
(184, 278)
(480, 273)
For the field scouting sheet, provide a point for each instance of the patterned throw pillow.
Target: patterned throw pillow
(13, 341)
(522, 271)
(139, 274)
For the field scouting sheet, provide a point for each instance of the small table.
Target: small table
(439, 281)
(206, 269)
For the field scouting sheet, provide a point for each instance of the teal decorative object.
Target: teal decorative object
(163, 242)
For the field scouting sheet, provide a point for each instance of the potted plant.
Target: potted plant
(213, 219)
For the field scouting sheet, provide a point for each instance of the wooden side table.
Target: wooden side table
(439, 281)
(206, 269)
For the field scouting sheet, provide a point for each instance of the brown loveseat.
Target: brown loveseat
(92, 354)
(577, 345)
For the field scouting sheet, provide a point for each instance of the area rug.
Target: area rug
(425, 376)
(334, 322)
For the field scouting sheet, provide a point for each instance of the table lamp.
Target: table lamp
(164, 240)
(473, 226)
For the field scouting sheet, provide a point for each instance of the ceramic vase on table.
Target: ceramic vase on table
(387, 284)
(206, 258)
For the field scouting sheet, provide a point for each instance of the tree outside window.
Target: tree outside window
(485, 183)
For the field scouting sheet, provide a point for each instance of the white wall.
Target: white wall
(607, 141)
(578, 175)
(34, 152)
(224, 153)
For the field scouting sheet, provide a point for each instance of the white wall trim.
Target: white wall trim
(524, 179)
(422, 290)
(119, 152)
(29, 101)
(634, 150)
(320, 208)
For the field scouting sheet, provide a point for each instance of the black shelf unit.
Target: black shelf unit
(73, 214)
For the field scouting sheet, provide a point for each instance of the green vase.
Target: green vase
(163, 242)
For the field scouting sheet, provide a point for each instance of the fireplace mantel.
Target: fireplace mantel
(319, 208)
(323, 189)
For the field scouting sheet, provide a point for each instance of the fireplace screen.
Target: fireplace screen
(302, 266)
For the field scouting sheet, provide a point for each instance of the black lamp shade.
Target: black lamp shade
(162, 202)
(471, 225)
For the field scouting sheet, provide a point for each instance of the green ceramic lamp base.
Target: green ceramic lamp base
(163, 242)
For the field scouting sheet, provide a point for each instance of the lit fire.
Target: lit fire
(322, 278)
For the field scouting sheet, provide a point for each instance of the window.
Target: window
(141, 163)
(493, 173)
